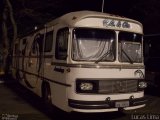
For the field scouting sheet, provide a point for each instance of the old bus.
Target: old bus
(84, 61)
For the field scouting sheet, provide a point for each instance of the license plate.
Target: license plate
(122, 104)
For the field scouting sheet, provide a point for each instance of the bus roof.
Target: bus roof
(71, 18)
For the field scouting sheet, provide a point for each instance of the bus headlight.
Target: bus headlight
(142, 85)
(86, 86)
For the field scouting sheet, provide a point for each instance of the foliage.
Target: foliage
(6, 44)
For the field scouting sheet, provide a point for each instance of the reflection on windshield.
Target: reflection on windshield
(130, 48)
(92, 44)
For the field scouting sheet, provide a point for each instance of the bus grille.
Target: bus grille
(117, 86)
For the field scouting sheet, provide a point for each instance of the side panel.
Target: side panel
(56, 74)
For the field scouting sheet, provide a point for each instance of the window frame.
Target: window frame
(46, 49)
(61, 51)
(134, 41)
(114, 46)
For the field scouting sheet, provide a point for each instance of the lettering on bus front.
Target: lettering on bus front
(116, 23)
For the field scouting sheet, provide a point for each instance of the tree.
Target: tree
(7, 42)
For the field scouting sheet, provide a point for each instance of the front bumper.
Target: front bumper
(108, 104)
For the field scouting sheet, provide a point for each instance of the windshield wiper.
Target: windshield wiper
(101, 58)
(129, 58)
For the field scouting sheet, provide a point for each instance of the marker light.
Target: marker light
(142, 85)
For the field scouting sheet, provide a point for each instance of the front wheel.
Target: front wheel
(47, 94)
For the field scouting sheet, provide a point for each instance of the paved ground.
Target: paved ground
(17, 103)
(13, 102)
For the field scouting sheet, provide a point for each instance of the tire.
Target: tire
(47, 93)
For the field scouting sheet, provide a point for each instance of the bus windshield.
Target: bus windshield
(130, 47)
(91, 44)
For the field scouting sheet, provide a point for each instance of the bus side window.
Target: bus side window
(62, 44)
(48, 41)
(37, 45)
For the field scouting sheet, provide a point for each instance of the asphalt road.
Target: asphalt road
(17, 103)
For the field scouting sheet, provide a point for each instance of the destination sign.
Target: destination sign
(116, 23)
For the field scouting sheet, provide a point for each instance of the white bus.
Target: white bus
(84, 61)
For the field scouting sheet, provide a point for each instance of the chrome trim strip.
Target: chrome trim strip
(99, 66)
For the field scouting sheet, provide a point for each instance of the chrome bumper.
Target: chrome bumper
(104, 104)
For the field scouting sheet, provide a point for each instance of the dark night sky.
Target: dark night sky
(29, 13)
